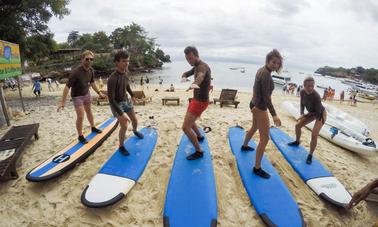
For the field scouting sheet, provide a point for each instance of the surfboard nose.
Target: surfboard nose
(105, 190)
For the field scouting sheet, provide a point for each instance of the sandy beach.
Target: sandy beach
(57, 202)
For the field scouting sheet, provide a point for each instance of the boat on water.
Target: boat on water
(321, 86)
(366, 96)
(281, 79)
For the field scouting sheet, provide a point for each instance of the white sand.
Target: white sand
(57, 202)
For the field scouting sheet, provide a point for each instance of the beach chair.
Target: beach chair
(141, 98)
(103, 100)
(12, 144)
(227, 97)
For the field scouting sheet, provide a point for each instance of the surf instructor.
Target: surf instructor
(260, 103)
(120, 104)
(200, 101)
(311, 100)
(79, 81)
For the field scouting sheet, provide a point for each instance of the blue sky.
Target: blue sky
(309, 34)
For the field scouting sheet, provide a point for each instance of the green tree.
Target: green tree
(102, 40)
(39, 47)
(162, 56)
(141, 48)
(73, 36)
(20, 19)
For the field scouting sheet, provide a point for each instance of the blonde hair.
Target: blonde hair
(87, 52)
(274, 54)
(308, 79)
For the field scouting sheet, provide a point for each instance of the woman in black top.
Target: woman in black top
(316, 112)
(261, 102)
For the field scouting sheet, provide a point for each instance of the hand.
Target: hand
(133, 100)
(194, 86)
(184, 80)
(359, 196)
(60, 106)
(277, 121)
(102, 95)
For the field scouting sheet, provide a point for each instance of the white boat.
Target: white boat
(359, 144)
(366, 89)
(282, 80)
(350, 82)
(337, 116)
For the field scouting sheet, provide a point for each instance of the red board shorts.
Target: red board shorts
(82, 100)
(197, 107)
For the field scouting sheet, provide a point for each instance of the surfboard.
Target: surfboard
(72, 154)
(191, 198)
(270, 197)
(316, 176)
(120, 173)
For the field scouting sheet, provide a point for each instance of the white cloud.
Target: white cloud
(309, 34)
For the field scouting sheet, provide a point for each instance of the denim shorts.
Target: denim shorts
(125, 106)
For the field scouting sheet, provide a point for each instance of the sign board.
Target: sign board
(10, 60)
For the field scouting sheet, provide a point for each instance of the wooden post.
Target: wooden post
(4, 105)
(20, 93)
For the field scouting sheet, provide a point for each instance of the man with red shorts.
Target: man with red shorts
(200, 101)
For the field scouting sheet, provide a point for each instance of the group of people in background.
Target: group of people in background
(329, 94)
(37, 86)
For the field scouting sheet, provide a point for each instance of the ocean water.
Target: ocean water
(224, 77)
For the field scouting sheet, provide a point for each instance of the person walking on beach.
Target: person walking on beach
(342, 96)
(147, 82)
(120, 104)
(200, 101)
(141, 83)
(299, 88)
(310, 99)
(49, 84)
(79, 81)
(260, 103)
(57, 85)
(37, 88)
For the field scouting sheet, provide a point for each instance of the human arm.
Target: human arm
(362, 193)
(128, 89)
(111, 95)
(62, 102)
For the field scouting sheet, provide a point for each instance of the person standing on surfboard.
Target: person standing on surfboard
(120, 104)
(79, 81)
(200, 101)
(260, 103)
(316, 112)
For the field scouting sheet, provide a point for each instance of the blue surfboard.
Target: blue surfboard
(119, 174)
(191, 198)
(68, 157)
(316, 176)
(270, 197)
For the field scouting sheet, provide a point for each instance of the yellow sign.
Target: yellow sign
(10, 61)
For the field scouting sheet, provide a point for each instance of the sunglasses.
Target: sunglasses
(89, 59)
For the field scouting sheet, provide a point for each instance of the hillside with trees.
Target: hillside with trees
(368, 75)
